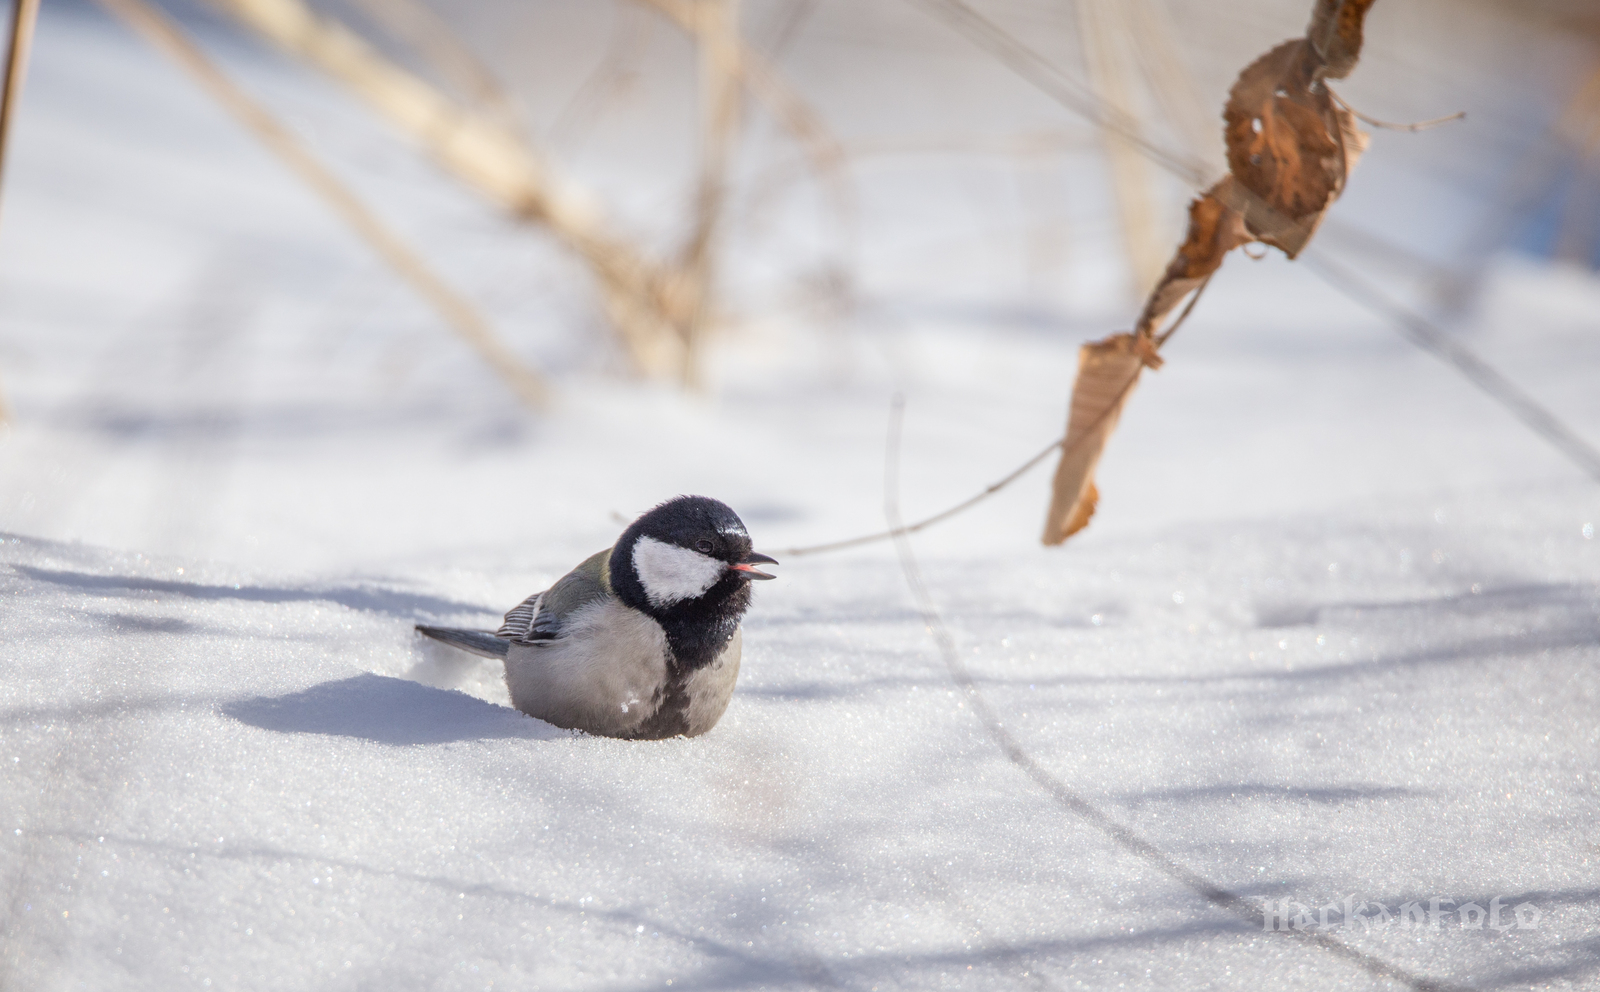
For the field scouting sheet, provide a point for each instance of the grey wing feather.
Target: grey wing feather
(479, 642)
(520, 620)
(542, 616)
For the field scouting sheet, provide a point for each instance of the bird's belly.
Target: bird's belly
(605, 675)
(608, 675)
(711, 688)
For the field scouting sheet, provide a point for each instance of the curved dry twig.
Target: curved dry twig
(1392, 126)
(992, 488)
(1239, 906)
(942, 515)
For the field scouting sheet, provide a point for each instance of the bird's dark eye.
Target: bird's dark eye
(704, 547)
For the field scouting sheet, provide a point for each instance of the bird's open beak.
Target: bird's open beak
(752, 559)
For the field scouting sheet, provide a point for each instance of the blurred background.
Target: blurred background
(460, 266)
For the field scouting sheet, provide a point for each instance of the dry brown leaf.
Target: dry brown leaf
(1335, 34)
(1265, 222)
(1107, 372)
(1281, 132)
(1290, 146)
(1214, 230)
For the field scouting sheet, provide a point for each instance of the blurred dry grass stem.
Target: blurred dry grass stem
(166, 36)
(1162, 62)
(1130, 48)
(661, 310)
(417, 27)
(716, 32)
(24, 15)
(1105, 33)
(767, 85)
(616, 74)
(1049, 79)
(727, 67)
(1579, 123)
(1579, 128)
(643, 300)
(1575, 131)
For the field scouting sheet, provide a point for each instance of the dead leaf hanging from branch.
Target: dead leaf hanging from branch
(1107, 372)
(1291, 146)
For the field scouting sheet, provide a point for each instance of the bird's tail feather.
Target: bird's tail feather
(477, 641)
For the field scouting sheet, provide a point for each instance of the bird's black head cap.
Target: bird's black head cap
(686, 521)
(687, 563)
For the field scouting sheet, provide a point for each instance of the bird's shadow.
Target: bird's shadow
(388, 711)
(372, 597)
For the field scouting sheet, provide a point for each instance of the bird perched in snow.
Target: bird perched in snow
(641, 640)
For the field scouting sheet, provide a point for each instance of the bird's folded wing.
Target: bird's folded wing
(542, 616)
(520, 620)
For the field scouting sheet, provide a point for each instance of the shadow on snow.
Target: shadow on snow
(387, 710)
(356, 597)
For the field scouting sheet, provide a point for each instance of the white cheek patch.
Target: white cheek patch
(671, 574)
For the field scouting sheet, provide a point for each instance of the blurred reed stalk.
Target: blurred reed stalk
(767, 85)
(716, 31)
(1129, 46)
(1105, 33)
(24, 14)
(728, 66)
(418, 28)
(1162, 62)
(640, 296)
(1579, 129)
(168, 37)
(660, 310)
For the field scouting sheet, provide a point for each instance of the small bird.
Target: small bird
(641, 640)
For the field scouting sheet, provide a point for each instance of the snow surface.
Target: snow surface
(1334, 633)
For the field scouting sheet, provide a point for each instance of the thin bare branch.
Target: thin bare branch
(942, 515)
(167, 37)
(1161, 338)
(1162, 58)
(793, 19)
(824, 151)
(1390, 125)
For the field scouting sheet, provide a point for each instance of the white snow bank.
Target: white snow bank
(226, 777)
